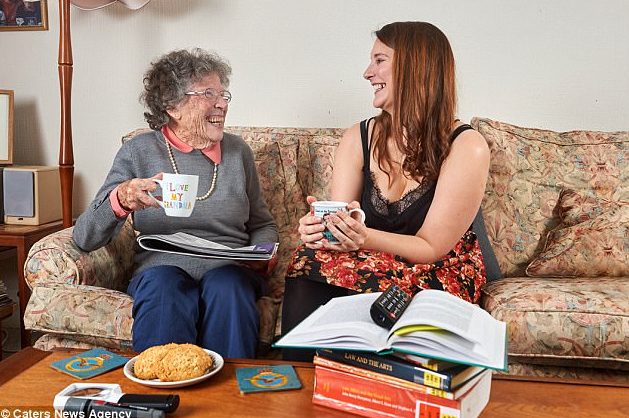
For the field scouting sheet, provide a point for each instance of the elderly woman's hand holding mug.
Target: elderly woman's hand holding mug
(133, 194)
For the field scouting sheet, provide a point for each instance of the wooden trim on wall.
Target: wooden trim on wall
(43, 25)
(6, 124)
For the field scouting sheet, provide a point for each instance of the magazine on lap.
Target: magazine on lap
(190, 245)
(464, 332)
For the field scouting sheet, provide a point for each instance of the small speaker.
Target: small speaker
(32, 195)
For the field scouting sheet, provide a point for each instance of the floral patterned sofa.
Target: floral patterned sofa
(556, 212)
(556, 209)
(78, 298)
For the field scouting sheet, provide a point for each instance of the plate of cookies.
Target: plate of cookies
(173, 365)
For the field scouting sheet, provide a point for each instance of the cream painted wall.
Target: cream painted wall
(558, 64)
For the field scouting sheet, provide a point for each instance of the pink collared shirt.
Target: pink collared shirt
(213, 152)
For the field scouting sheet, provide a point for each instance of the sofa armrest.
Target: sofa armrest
(57, 259)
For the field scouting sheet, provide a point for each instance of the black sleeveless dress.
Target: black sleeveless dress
(405, 216)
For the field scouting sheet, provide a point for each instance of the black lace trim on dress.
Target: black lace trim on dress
(382, 205)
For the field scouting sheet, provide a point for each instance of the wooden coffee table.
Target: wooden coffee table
(27, 382)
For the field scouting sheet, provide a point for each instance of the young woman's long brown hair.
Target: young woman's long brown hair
(424, 103)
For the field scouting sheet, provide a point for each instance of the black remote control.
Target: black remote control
(386, 310)
(166, 403)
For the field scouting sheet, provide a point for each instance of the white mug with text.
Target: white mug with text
(322, 208)
(179, 193)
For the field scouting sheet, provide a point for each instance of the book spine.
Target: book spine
(426, 363)
(331, 364)
(386, 365)
(360, 395)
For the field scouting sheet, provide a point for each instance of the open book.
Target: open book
(186, 244)
(436, 325)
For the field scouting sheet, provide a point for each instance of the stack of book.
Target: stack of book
(384, 386)
(5, 300)
(435, 361)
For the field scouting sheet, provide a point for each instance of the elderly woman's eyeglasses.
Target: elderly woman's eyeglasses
(212, 94)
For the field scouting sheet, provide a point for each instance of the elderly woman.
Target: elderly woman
(178, 298)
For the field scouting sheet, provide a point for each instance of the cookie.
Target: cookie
(172, 362)
(148, 362)
(186, 361)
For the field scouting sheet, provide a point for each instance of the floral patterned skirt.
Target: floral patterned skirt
(461, 272)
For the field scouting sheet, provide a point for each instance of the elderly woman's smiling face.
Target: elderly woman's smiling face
(199, 120)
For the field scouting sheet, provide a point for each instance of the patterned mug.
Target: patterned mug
(323, 208)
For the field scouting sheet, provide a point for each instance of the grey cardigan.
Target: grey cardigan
(234, 215)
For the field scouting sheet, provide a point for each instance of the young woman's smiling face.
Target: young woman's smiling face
(379, 73)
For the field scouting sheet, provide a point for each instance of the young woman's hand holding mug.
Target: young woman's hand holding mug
(311, 228)
(333, 225)
(348, 227)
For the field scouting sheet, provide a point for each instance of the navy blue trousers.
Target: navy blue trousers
(217, 312)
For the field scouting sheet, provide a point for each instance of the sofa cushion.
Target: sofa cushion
(55, 341)
(595, 375)
(79, 310)
(575, 207)
(528, 170)
(316, 159)
(57, 259)
(583, 322)
(275, 155)
(589, 230)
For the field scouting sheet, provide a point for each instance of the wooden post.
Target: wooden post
(66, 156)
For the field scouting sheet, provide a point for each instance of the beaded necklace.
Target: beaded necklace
(174, 165)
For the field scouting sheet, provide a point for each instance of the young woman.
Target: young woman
(417, 172)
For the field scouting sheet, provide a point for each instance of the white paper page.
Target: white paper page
(493, 341)
(344, 320)
(440, 344)
(446, 311)
(490, 351)
(181, 238)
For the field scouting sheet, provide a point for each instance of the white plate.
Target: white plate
(217, 364)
